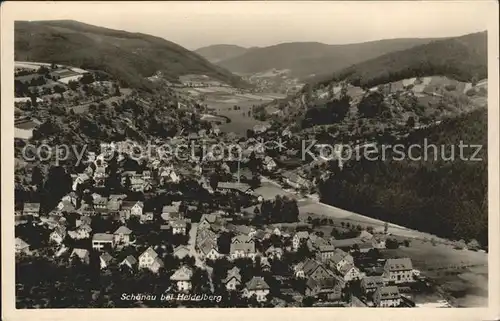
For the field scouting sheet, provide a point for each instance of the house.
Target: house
(58, 235)
(206, 220)
(312, 269)
(114, 204)
(298, 238)
(328, 289)
(294, 180)
(209, 249)
(387, 296)
(182, 277)
(371, 283)
(147, 216)
(179, 227)
(378, 242)
(350, 272)
(149, 260)
(326, 252)
(171, 212)
(100, 203)
(122, 235)
(269, 164)
(82, 254)
(256, 287)
(264, 264)
(82, 231)
(101, 241)
(132, 208)
(274, 252)
(71, 198)
(22, 246)
(31, 209)
(181, 252)
(235, 187)
(105, 260)
(365, 247)
(242, 246)
(339, 259)
(233, 279)
(129, 262)
(204, 234)
(398, 271)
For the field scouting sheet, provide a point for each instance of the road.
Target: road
(192, 245)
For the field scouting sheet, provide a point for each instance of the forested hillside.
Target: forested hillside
(437, 195)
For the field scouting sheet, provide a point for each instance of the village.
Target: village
(171, 218)
(242, 223)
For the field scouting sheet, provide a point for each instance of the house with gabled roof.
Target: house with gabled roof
(122, 235)
(181, 252)
(105, 260)
(274, 252)
(339, 259)
(328, 289)
(182, 277)
(233, 279)
(350, 272)
(206, 220)
(257, 287)
(22, 246)
(82, 254)
(242, 246)
(149, 259)
(312, 269)
(298, 238)
(129, 262)
(59, 234)
(132, 208)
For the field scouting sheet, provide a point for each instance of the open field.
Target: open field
(223, 101)
(460, 275)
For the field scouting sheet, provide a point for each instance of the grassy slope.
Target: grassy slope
(305, 58)
(128, 56)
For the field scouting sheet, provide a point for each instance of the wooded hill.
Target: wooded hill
(129, 57)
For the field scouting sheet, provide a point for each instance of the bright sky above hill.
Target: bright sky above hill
(198, 24)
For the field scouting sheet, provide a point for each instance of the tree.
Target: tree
(410, 123)
(59, 90)
(214, 181)
(391, 243)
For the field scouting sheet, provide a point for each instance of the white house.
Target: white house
(182, 277)
(102, 240)
(398, 271)
(149, 260)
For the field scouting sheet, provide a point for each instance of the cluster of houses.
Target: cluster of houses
(325, 275)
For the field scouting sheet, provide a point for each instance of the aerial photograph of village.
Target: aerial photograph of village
(164, 165)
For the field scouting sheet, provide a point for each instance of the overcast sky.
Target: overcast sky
(198, 24)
